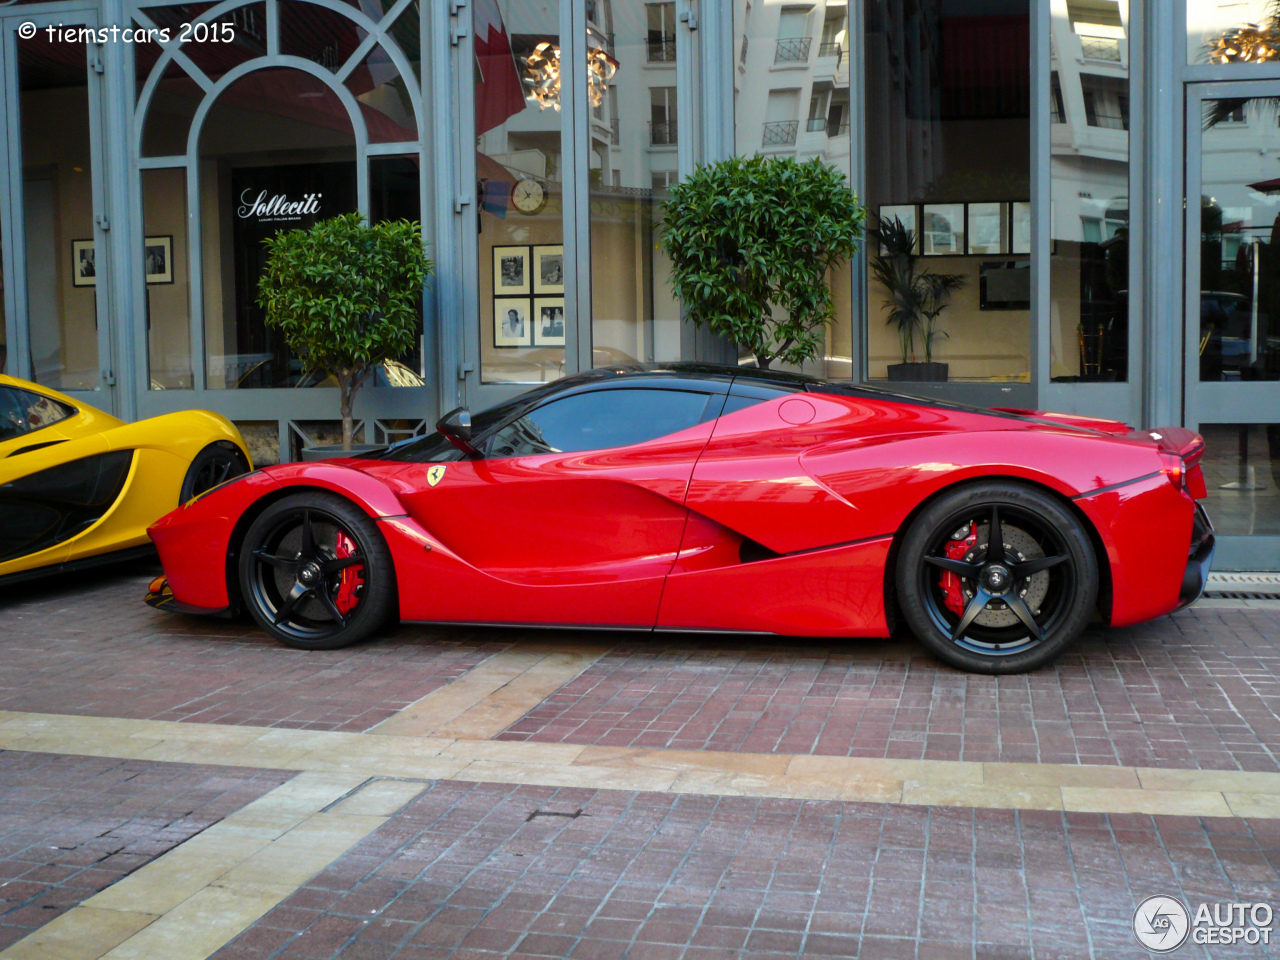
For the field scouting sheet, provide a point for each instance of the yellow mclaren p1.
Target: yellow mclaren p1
(79, 487)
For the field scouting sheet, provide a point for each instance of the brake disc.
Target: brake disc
(1021, 546)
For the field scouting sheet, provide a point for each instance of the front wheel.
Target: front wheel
(316, 573)
(997, 578)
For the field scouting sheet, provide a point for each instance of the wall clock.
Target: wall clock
(529, 196)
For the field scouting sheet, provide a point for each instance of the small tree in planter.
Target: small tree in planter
(749, 234)
(345, 295)
(916, 298)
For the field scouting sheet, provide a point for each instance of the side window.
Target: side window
(598, 421)
(22, 412)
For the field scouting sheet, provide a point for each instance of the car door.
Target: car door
(576, 509)
(52, 481)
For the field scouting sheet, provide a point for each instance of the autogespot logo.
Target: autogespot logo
(1161, 924)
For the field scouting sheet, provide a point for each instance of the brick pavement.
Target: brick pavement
(91, 646)
(488, 870)
(71, 826)
(1200, 689)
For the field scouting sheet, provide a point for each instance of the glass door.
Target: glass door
(1232, 368)
(55, 221)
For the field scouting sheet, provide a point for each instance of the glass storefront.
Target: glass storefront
(1010, 143)
(1089, 130)
(62, 266)
(948, 173)
(792, 65)
(634, 144)
(520, 169)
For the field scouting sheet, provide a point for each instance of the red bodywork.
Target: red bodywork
(778, 518)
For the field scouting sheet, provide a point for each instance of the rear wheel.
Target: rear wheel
(997, 578)
(316, 573)
(215, 464)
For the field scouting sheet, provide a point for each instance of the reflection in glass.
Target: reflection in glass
(164, 263)
(1089, 265)
(1239, 256)
(276, 152)
(4, 334)
(518, 166)
(395, 194)
(1210, 22)
(792, 100)
(948, 124)
(1242, 472)
(57, 190)
(633, 142)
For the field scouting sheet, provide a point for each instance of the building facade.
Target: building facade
(1099, 179)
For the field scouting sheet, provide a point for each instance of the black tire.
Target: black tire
(1044, 576)
(298, 587)
(215, 464)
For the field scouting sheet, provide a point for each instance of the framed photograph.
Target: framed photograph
(942, 233)
(511, 322)
(988, 228)
(510, 271)
(548, 321)
(548, 269)
(905, 213)
(84, 269)
(159, 258)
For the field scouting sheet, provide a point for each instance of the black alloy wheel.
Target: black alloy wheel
(213, 466)
(316, 573)
(997, 577)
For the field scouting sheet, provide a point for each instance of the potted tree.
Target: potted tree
(345, 296)
(751, 241)
(917, 297)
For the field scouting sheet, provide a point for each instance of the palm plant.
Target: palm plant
(916, 296)
(1247, 43)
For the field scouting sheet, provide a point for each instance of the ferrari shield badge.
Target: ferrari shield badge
(435, 475)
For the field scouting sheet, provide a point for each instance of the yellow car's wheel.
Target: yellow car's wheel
(214, 465)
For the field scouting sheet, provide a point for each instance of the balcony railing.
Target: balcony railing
(794, 50)
(837, 130)
(780, 133)
(663, 134)
(815, 124)
(832, 49)
(662, 49)
(1101, 48)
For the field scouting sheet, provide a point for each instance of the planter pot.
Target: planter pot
(927, 372)
(332, 451)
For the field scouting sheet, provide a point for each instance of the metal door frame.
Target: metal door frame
(1255, 402)
(12, 211)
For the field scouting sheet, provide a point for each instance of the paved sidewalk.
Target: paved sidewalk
(72, 826)
(459, 793)
(485, 870)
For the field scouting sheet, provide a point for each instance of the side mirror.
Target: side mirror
(456, 427)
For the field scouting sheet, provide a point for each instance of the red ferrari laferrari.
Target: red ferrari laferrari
(699, 498)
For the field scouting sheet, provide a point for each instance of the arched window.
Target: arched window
(253, 118)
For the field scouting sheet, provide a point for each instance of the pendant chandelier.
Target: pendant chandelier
(542, 72)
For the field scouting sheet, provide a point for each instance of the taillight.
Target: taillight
(1175, 470)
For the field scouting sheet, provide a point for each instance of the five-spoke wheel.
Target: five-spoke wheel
(997, 577)
(315, 572)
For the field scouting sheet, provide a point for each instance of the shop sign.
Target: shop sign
(265, 207)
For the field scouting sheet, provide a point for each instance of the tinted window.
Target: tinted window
(598, 421)
(22, 412)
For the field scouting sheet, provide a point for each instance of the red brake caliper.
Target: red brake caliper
(951, 583)
(347, 599)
